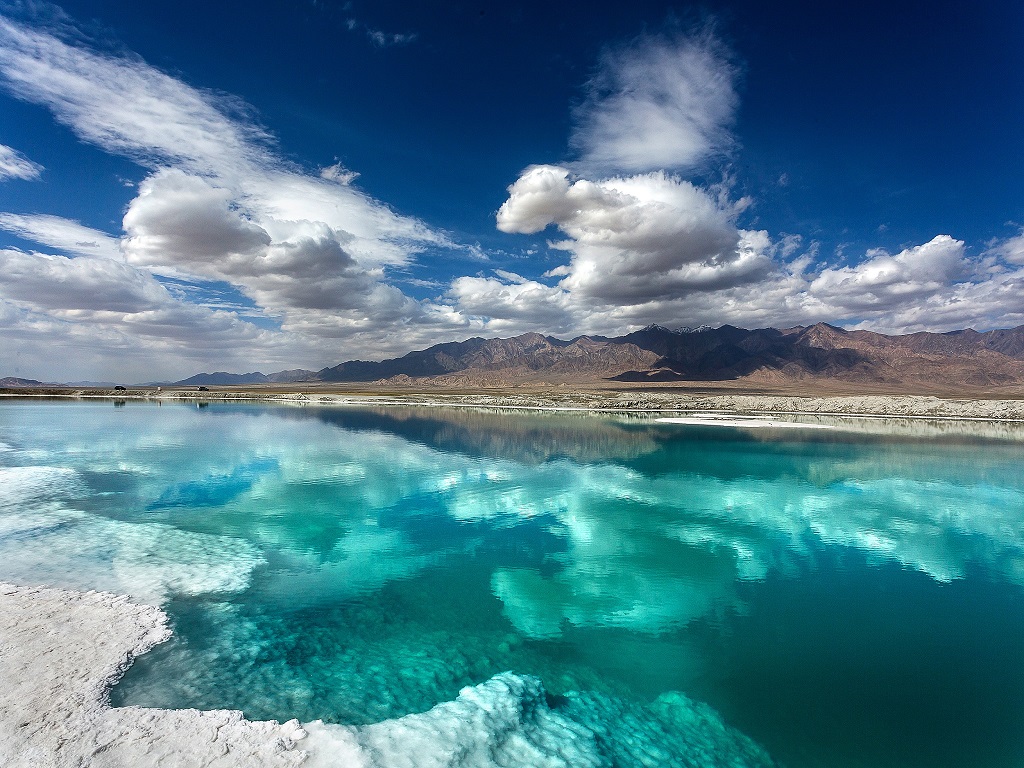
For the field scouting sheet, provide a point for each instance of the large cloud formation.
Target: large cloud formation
(661, 103)
(233, 257)
(309, 251)
(646, 245)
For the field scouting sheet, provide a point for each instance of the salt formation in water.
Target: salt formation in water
(508, 721)
(43, 539)
(61, 650)
(59, 653)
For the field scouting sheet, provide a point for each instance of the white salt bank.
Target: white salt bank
(734, 420)
(60, 651)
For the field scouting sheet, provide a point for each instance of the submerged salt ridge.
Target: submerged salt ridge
(507, 721)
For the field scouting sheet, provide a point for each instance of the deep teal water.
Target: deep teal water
(844, 599)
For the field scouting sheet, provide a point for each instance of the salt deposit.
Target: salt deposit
(746, 422)
(42, 538)
(60, 651)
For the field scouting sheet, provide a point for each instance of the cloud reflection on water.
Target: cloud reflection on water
(648, 526)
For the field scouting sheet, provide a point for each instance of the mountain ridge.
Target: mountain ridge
(659, 354)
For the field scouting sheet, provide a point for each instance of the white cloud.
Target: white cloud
(934, 286)
(659, 103)
(638, 238)
(14, 165)
(310, 249)
(639, 244)
(339, 173)
(57, 282)
(1011, 249)
(384, 39)
(510, 304)
(100, 318)
(644, 245)
(124, 105)
(183, 221)
(64, 234)
(884, 281)
(299, 270)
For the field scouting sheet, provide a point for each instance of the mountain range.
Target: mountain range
(966, 358)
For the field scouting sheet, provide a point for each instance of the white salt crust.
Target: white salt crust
(60, 651)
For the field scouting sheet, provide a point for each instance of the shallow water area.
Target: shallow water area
(842, 596)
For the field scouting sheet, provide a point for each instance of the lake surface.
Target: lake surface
(841, 598)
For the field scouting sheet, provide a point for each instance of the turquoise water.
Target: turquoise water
(843, 599)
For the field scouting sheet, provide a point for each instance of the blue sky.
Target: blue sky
(268, 185)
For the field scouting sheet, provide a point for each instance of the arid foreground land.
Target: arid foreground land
(811, 397)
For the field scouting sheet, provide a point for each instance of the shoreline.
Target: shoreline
(740, 405)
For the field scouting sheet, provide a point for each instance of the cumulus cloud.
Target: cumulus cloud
(635, 239)
(640, 240)
(14, 165)
(57, 282)
(935, 286)
(884, 281)
(644, 245)
(512, 304)
(658, 103)
(179, 220)
(1011, 249)
(101, 318)
(300, 270)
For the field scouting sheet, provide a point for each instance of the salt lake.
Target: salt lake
(819, 597)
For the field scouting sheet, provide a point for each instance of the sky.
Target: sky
(280, 184)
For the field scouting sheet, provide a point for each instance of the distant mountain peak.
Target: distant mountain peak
(682, 330)
(691, 329)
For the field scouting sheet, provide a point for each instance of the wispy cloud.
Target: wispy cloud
(63, 234)
(379, 37)
(659, 103)
(14, 165)
(385, 39)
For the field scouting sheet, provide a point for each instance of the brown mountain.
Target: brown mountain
(14, 381)
(497, 361)
(817, 352)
